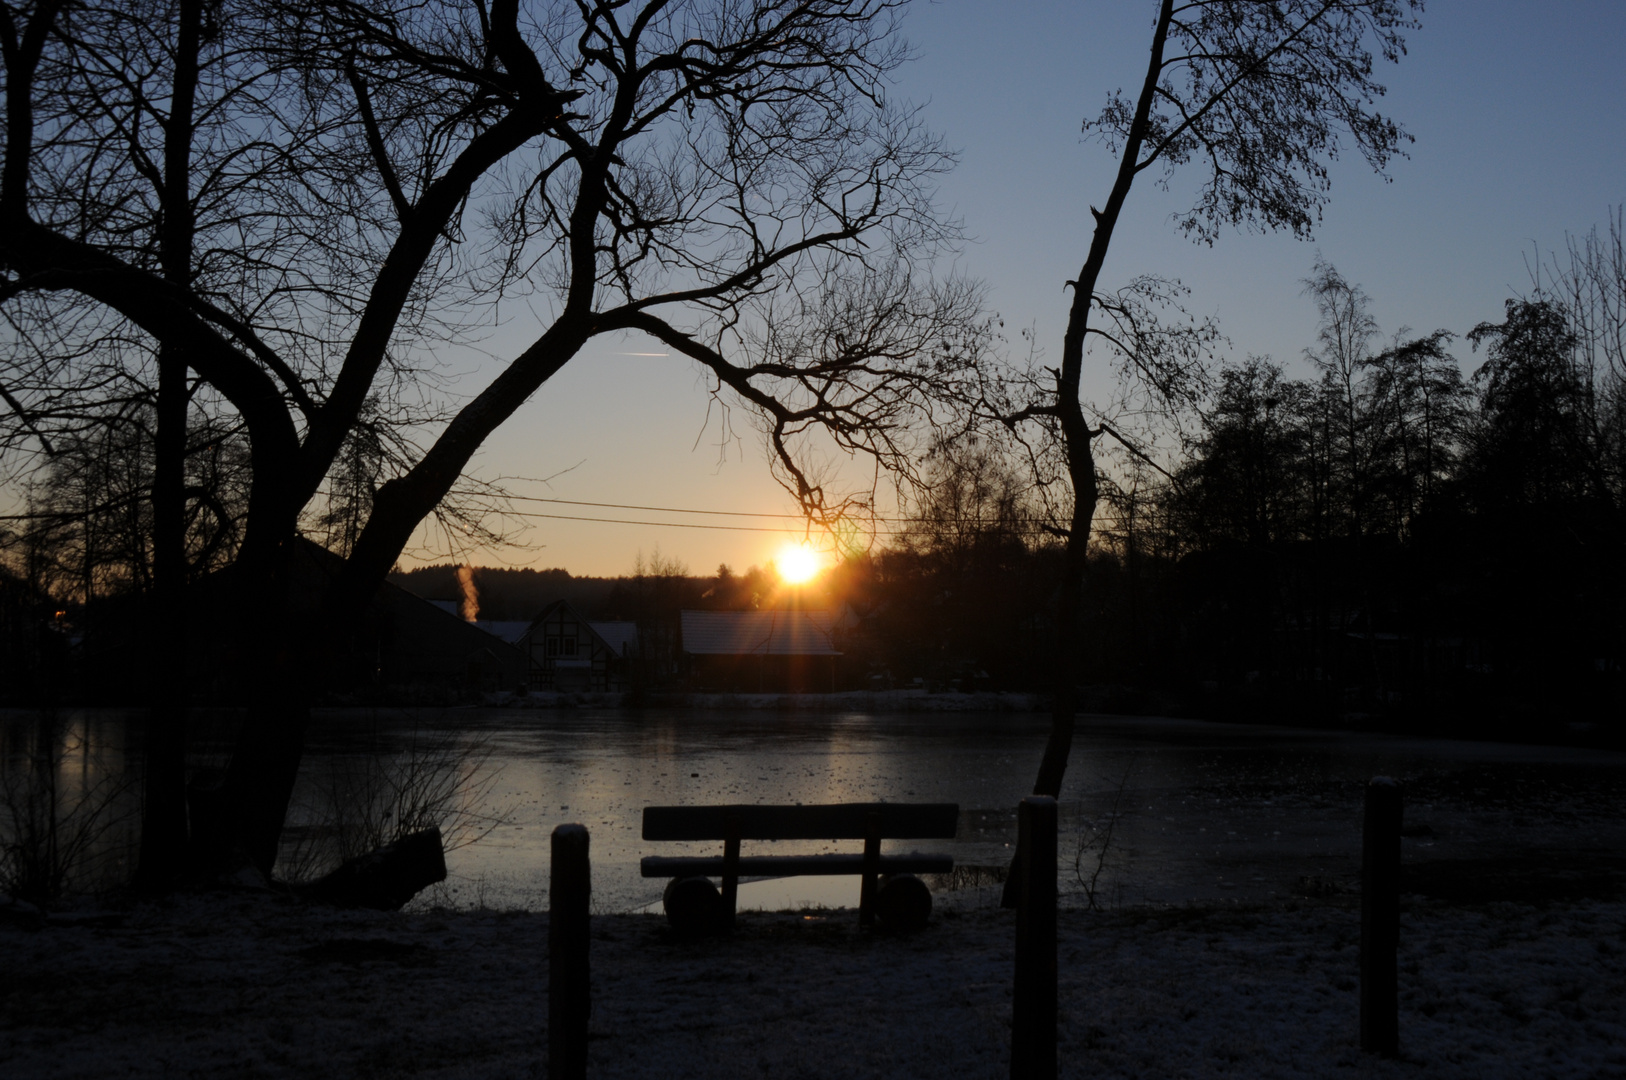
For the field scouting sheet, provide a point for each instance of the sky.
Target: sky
(1519, 114)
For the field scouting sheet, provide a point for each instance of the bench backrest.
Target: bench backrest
(840, 821)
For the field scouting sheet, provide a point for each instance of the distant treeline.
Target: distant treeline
(504, 594)
(1389, 540)
(653, 594)
(1426, 531)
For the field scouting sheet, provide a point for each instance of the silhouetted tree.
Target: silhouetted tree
(1257, 95)
(369, 180)
(1542, 532)
(1247, 482)
(1418, 406)
(971, 588)
(1590, 282)
(1344, 337)
(1532, 443)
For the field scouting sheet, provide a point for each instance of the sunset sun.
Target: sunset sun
(797, 563)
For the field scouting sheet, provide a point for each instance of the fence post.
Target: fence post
(569, 1001)
(1033, 1000)
(1380, 916)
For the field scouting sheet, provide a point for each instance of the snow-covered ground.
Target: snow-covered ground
(253, 985)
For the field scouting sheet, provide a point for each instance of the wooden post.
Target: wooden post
(1033, 1003)
(569, 1000)
(1380, 917)
(871, 868)
(731, 870)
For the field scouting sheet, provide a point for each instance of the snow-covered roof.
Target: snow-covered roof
(757, 633)
(621, 637)
(510, 630)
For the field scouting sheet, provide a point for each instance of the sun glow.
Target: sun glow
(797, 564)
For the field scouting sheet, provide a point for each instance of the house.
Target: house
(395, 643)
(399, 640)
(759, 650)
(416, 643)
(565, 652)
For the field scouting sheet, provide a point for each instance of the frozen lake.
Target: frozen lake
(1203, 810)
(1206, 810)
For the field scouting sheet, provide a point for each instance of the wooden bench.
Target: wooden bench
(869, 822)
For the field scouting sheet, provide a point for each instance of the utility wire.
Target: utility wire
(674, 524)
(619, 506)
(683, 510)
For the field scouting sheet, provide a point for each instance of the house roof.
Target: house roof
(509, 630)
(557, 607)
(621, 637)
(617, 645)
(757, 633)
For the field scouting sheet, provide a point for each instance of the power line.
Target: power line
(671, 524)
(620, 506)
(880, 518)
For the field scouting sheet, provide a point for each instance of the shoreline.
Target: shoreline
(858, 701)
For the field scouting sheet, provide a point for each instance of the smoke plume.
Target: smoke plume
(469, 606)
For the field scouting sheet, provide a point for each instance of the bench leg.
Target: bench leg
(731, 872)
(872, 867)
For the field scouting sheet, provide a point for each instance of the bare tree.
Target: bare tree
(1533, 442)
(370, 180)
(973, 497)
(1258, 96)
(1418, 404)
(1590, 282)
(1343, 351)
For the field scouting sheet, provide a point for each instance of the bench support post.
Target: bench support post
(731, 870)
(872, 868)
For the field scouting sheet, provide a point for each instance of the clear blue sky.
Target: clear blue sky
(1519, 113)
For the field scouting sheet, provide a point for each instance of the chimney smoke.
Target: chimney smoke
(469, 606)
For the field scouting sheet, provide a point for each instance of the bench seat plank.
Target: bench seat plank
(665, 866)
(843, 821)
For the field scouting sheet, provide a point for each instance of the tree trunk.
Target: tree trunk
(1079, 442)
(1064, 704)
(233, 818)
(164, 818)
(277, 673)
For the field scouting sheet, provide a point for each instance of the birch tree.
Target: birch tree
(1252, 100)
